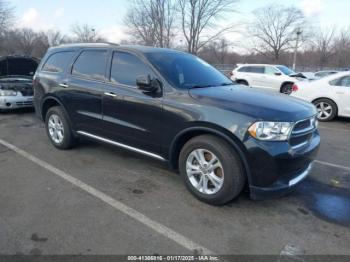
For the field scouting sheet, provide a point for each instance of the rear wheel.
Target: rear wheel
(287, 89)
(211, 169)
(242, 82)
(326, 109)
(58, 128)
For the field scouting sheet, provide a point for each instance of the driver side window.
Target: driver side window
(126, 68)
(270, 70)
(344, 81)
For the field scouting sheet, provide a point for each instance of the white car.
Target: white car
(330, 95)
(273, 77)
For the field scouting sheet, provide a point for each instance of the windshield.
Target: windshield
(187, 71)
(285, 70)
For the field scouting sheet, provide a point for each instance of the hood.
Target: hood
(259, 104)
(17, 66)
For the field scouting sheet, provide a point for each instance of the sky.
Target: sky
(107, 16)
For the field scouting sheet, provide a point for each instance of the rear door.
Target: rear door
(51, 75)
(256, 74)
(343, 94)
(131, 116)
(82, 91)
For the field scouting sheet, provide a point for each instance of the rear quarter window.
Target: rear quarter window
(58, 62)
(243, 69)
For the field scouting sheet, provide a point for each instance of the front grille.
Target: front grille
(25, 103)
(302, 132)
(304, 126)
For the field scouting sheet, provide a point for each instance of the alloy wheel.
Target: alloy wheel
(205, 171)
(56, 130)
(324, 110)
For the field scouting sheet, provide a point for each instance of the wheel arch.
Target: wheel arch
(185, 135)
(328, 98)
(51, 101)
(243, 80)
(286, 83)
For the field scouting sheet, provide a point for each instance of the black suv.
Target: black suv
(175, 107)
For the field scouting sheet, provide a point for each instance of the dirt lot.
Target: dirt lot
(96, 199)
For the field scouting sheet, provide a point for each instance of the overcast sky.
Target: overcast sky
(107, 15)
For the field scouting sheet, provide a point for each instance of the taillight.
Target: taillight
(295, 88)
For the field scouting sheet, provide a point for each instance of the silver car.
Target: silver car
(16, 81)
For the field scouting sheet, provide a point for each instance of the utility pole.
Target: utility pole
(298, 32)
(93, 34)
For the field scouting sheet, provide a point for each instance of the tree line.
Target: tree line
(202, 27)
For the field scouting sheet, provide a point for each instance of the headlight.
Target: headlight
(8, 93)
(271, 131)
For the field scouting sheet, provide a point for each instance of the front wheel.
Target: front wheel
(211, 169)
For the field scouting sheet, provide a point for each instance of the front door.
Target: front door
(131, 116)
(343, 94)
(271, 80)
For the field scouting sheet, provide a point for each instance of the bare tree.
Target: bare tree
(55, 38)
(274, 29)
(324, 45)
(26, 40)
(342, 48)
(6, 16)
(219, 50)
(198, 17)
(151, 22)
(85, 33)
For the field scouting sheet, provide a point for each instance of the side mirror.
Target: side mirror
(145, 83)
(278, 73)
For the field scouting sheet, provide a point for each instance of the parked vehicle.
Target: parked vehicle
(16, 78)
(175, 107)
(272, 77)
(321, 74)
(330, 95)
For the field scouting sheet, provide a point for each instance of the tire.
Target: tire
(327, 110)
(242, 82)
(56, 119)
(230, 171)
(287, 89)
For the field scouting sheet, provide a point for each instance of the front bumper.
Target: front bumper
(277, 167)
(13, 102)
(280, 187)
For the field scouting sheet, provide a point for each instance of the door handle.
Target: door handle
(64, 85)
(110, 94)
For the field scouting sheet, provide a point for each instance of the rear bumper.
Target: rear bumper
(13, 102)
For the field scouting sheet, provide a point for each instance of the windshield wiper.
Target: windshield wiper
(205, 86)
(200, 86)
(226, 84)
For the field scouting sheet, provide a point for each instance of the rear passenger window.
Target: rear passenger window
(58, 62)
(91, 64)
(126, 68)
(257, 69)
